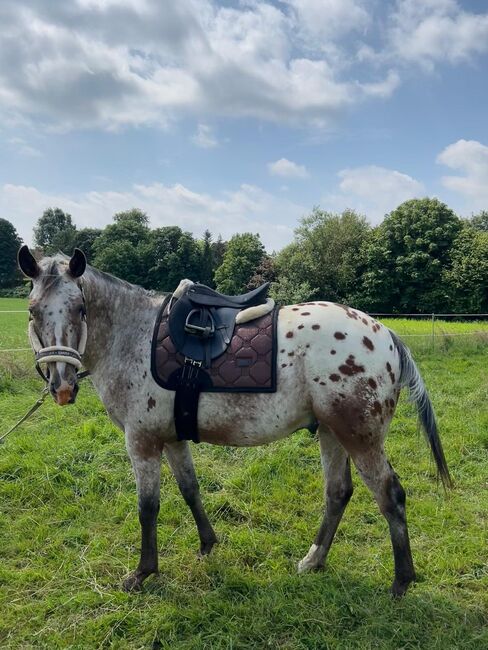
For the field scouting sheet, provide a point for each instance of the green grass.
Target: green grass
(69, 531)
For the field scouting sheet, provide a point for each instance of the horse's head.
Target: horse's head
(57, 327)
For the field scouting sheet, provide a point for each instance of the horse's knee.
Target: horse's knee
(394, 497)
(148, 510)
(339, 496)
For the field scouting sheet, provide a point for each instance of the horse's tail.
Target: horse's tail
(411, 379)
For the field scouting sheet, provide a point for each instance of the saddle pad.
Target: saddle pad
(247, 366)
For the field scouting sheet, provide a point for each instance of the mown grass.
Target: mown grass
(69, 532)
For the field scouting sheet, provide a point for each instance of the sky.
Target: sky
(240, 116)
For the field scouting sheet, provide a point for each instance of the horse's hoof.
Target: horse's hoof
(310, 562)
(134, 581)
(399, 589)
(206, 548)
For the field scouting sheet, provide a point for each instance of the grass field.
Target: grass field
(69, 530)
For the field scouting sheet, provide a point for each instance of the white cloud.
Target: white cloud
(324, 21)
(470, 157)
(204, 137)
(287, 168)
(436, 31)
(373, 190)
(107, 64)
(248, 208)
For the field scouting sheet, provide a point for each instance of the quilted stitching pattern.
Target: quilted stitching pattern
(247, 364)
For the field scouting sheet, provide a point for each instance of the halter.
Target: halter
(63, 353)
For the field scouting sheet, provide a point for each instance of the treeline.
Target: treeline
(421, 258)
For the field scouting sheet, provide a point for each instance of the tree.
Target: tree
(55, 231)
(480, 221)
(171, 255)
(218, 251)
(85, 239)
(206, 265)
(122, 259)
(264, 272)
(326, 256)
(467, 278)
(243, 255)
(407, 256)
(129, 236)
(9, 245)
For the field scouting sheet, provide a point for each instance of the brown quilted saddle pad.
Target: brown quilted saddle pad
(247, 366)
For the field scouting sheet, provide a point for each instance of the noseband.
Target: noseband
(54, 353)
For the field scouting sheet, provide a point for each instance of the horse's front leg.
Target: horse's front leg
(145, 454)
(181, 463)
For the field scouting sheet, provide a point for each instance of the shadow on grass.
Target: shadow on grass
(326, 609)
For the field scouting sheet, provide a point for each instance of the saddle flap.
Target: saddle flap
(201, 334)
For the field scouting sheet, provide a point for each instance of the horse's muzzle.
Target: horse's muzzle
(65, 393)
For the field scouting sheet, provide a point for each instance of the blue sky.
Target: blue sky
(240, 116)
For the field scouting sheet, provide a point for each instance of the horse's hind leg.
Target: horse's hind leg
(379, 476)
(181, 463)
(337, 477)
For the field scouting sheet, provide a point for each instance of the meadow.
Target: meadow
(69, 531)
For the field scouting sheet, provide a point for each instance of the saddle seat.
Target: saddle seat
(201, 320)
(203, 295)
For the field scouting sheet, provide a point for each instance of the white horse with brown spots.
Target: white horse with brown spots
(337, 368)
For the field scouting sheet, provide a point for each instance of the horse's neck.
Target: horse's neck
(118, 316)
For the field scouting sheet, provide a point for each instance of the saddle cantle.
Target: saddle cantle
(207, 341)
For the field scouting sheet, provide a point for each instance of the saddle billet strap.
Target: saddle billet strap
(187, 395)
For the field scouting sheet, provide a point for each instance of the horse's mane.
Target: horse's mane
(52, 273)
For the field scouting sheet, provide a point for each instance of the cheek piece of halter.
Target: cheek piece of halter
(63, 353)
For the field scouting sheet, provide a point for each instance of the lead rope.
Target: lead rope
(33, 409)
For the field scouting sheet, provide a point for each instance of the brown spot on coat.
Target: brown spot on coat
(332, 351)
(151, 403)
(289, 335)
(291, 354)
(300, 327)
(334, 377)
(322, 383)
(294, 308)
(315, 327)
(377, 409)
(339, 336)
(368, 343)
(323, 304)
(283, 365)
(305, 313)
(372, 383)
(316, 378)
(350, 367)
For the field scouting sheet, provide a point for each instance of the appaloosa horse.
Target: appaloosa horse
(337, 367)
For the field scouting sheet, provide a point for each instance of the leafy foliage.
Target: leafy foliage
(480, 221)
(55, 232)
(326, 256)
(467, 278)
(407, 257)
(243, 254)
(9, 245)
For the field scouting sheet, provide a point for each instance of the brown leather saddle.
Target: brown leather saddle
(201, 321)
(201, 324)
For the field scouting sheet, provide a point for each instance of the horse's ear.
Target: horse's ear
(77, 263)
(27, 263)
